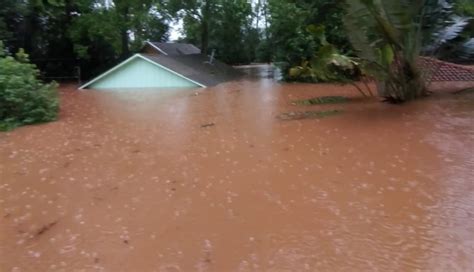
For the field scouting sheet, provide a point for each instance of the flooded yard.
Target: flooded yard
(213, 180)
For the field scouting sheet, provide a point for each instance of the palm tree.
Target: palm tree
(390, 35)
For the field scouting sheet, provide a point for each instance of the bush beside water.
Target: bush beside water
(24, 99)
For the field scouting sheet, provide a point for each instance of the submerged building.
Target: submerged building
(165, 65)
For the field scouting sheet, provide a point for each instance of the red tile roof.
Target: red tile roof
(436, 70)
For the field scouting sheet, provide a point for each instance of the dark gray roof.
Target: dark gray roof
(176, 49)
(196, 67)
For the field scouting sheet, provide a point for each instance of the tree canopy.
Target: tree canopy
(60, 35)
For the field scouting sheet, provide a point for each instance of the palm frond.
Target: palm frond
(451, 31)
(399, 13)
(357, 24)
(467, 51)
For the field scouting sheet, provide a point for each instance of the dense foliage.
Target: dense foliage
(328, 64)
(223, 26)
(464, 7)
(61, 35)
(291, 42)
(459, 17)
(23, 98)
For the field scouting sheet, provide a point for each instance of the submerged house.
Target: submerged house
(165, 65)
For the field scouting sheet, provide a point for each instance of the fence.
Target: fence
(59, 69)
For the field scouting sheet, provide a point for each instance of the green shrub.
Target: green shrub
(321, 100)
(296, 115)
(24, 99)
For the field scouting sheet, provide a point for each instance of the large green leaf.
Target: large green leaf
(387, 55)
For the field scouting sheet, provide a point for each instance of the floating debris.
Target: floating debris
(45, 228)
(208, 125)
(321, 100)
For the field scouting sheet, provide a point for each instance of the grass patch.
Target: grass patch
(322, 100)
(308, 115)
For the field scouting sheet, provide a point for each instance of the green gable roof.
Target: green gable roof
(140, 72)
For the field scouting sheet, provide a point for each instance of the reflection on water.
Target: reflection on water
(259, 71)
(139, 182)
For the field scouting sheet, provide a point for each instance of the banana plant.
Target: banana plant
(387, 36)
(449, 36)
(390, 35)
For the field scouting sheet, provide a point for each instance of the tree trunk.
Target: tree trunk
(125, 39)
(265, 16)
(66, 21)
(30, 28)
(205, 37)
(257, 14)
(205, 27)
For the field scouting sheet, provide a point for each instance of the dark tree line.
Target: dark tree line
(60, 35)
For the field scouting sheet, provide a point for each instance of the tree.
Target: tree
(39, 26)
(288, 38)
(223, 25)
(124, 25)
(8, 20)
(62, 34)
(23, 98)
(328, 65)
(464, 7)
(102, 33)
(137, 18)
(389, 36)
(197, 16)
(263, 49)
(232, 34)
(459, 14)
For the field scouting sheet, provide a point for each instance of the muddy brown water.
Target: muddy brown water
(211, 180)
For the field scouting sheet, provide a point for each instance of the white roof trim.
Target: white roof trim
(109, 71)
(130, 59)
(157, 48)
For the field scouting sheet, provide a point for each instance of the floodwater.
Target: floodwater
(212, 180)
(259, 71)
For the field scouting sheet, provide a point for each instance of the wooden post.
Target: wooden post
(79, 81)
